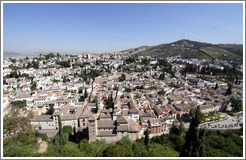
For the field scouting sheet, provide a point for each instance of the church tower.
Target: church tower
(92, 128)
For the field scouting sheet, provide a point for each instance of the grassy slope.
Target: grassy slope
(192, 49)
(221, 53)
(175, 51)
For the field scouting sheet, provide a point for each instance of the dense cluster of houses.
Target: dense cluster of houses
(157, 106)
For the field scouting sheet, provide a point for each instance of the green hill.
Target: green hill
(192, 49)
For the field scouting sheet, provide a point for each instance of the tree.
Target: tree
(74, 131)
(96, 107)
(162, 76)
(13, 74)
(146, 138)
(12, 60)
(139, 150)
(71, 150)
(80, 90)
(236, 104)
(67, 129)
(117, 151)
(35, 64)
(64, 64)
(130, 60)
(182, 128)
(174, 130)
(201, 146)
(94, 100)
(115, 88)
(122, 78)
(223, 144)
(216, 86)
(14, 122)
(81, 99)
(61, 135)
(128, 90)
(157, 150)
(51, 110)
(126, 142)
(145, 61)
(85, 94)
(193, 140)
(21, 145)
(19, 104)
(110, 102)
(34, 86)
(190, 68)
(162, 92)
(65, 79)
(29, 65)
(228, 91)
(4, 82)
(236, 82)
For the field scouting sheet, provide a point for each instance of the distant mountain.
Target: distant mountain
(11, 54)
(139, 49)
(192, 49)
(17, 54)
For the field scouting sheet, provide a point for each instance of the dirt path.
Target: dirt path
(42, 147)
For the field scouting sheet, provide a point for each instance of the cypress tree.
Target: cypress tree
(228, 91)
(216, 86)
(146, 138)
(51, 110)
(74, 134)
(61, 136)
(112, 101)
(74, 130)
(201, 143)
(86, 94)
(182, 129)
(236, 82)
(193, 146)
(96, 107)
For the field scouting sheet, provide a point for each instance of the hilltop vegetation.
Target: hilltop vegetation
(193, 49)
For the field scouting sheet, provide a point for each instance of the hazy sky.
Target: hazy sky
(77, 28)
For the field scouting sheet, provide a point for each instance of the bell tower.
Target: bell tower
(92, 128)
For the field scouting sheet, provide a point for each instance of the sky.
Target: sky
(97, 28)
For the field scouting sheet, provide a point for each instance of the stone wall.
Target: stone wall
(119, 136)
(44, 125)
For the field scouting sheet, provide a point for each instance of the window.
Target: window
(71, 111)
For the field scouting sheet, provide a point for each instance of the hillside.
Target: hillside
(192, 49)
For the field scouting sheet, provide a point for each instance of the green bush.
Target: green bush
(216, 144)
(67, 129)
(139, 149)
(71, 150)
(117, 151)
(22, 145)
(158, 150)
